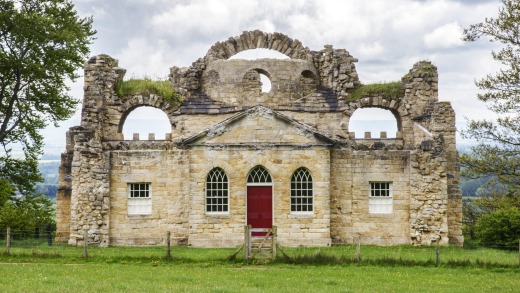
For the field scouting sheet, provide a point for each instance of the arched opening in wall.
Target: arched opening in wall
(266, 83)
(257, 80)
(260, 53)
(146, 120)
(308, 82)
(375, 121)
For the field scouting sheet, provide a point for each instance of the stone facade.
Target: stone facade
(225, 121)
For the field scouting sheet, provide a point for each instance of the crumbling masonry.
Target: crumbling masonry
(384, 191)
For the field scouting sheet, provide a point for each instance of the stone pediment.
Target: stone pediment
(260, 125)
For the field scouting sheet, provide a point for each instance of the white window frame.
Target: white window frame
(138, 204)
(222, 192)
(297, 187)
(380, 197)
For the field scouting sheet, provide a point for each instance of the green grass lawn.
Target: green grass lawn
(208, 277)
(62, 268)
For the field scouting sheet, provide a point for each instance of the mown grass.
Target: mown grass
(204, 277)
(61, 268)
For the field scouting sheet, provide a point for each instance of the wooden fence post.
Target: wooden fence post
(8, 241)
(85, 244)
(438, 253)
(273, 243)
(247, 243)
(358, 250)
(168, 247)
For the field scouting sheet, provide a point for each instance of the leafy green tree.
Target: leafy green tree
(42, 43)
(28, 212)
(500, 228)
(498, 151)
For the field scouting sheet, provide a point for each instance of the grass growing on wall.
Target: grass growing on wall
(391, 90)
(162, 88)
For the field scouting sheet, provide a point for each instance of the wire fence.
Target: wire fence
(41, 243)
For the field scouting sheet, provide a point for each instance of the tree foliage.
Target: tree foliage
(500, 228)
(23, 212)
(42, 44)
(498, 152)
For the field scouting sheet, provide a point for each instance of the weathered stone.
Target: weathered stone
(225, 121)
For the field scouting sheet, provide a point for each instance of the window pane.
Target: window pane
(301, 191)
(216, 191)
(380, 201)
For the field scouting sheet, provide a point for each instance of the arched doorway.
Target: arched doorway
(259, 199)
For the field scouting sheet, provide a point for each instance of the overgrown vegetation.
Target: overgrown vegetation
(426, 69)
(391, 91)
(495, 213)
(162, 88)
(42, 45)
(37, 250)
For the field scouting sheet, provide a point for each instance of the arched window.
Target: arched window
(259, 175)
(374, 120)
(217, 191)
(301, 191)
(145, 120)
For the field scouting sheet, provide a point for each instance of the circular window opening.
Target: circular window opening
(265, 82)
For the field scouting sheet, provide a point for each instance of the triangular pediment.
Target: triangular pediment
(259, 126)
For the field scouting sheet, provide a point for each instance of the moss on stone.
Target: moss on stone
(423, 69)
(162, 88)
(391, 91)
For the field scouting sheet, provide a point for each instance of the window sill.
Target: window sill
(218, 215)
(301, 215)
(139, 215)
(391, 214)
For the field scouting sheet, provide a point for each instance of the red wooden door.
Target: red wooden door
(260, 207)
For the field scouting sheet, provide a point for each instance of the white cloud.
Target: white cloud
(372, 50)
(388, 37)
(445, 36)
(143, 58)
(204, 17)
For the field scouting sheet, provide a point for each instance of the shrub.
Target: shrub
(500, 228)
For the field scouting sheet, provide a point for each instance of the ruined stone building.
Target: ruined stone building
(238, 156)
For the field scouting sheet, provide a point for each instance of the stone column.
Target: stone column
(101, 77)
(443, 120)
(90, 198)
(90, 164)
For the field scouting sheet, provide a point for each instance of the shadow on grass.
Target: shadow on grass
(323, 259)
(373, 256)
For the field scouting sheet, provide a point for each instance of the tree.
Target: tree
(42, 44)
(498, 151)
(500, 228)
